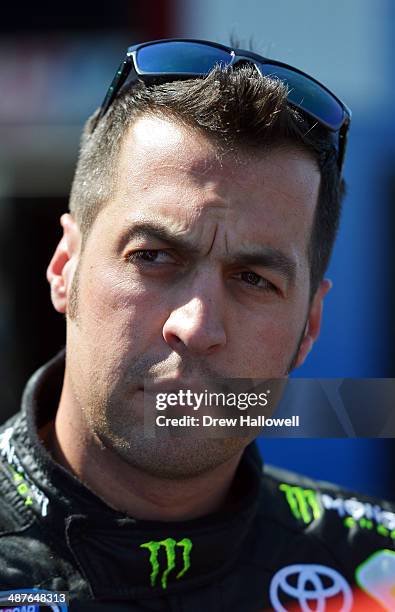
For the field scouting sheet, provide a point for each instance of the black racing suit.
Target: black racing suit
(285, 542)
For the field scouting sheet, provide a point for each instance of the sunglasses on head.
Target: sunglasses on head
(176, 59)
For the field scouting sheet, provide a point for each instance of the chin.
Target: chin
(177, 458)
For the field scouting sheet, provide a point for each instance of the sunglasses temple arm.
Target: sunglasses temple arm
(117, 82)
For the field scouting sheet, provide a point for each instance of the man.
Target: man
(202, 216)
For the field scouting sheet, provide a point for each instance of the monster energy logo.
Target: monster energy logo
(170, 547)
(302, 502)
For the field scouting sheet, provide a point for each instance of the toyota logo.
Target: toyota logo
(309, 584)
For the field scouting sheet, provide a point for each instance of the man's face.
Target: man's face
(197, 269)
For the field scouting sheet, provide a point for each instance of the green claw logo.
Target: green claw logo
(170, 546)
(302, 502)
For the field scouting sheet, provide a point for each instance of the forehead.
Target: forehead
(154, 142)
(169, 170)
(157, 145)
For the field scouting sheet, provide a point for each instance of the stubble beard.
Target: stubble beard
(122, 430)
(73, 299)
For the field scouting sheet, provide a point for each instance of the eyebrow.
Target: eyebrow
(264, 256)
(267, 257)
(156, 231)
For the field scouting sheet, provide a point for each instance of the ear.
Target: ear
(313, 325)
(62, 266)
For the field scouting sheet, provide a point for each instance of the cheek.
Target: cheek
(116, 312)
(267, 343)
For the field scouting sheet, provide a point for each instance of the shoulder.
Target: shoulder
(33, 549)
(18, 545)
(307, 500)
(337, 540)
(349, 526)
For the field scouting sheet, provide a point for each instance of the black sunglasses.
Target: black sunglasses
(176, 59)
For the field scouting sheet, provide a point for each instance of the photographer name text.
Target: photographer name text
(242, 420)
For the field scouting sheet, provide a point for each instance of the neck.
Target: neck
(126, 488)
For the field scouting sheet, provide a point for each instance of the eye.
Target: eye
(157, 256)
(254, 279)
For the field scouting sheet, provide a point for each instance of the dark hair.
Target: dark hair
(236, 108)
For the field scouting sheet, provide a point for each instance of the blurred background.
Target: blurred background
(56, 61)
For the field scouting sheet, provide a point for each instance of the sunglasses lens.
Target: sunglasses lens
(183, 57)
(180, 57)
(308, 95)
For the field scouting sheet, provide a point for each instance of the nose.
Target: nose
(197, 325)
